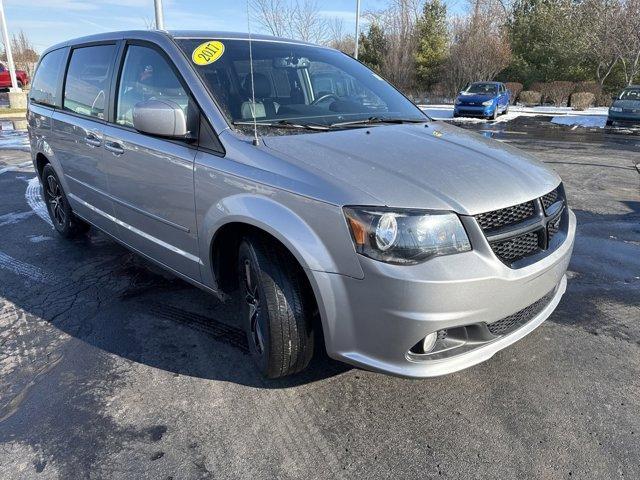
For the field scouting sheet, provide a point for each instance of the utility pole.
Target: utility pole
(159, 15)
(355, 53)
(7, 49)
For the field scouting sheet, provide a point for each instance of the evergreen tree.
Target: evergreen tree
(433, 41)
(372, 48)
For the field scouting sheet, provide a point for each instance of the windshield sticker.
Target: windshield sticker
(207, 52)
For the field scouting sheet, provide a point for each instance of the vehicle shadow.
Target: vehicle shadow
(105, 296)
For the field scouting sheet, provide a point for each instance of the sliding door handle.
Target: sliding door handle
(114, 147)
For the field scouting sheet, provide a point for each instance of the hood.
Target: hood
(476, 98)
(627, 104)
(433, 166)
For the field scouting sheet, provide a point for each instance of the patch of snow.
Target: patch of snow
(39, 238)
(14, 217)
(445, 112)
(581, 121)
(24, 269)
(34, 199)
(26, 166)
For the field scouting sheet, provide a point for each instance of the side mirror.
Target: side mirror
(160, 117)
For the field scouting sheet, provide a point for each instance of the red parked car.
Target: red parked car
(5, 78)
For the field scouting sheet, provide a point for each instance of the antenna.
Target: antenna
(256, 140)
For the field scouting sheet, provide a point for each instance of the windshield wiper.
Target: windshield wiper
(374, 120)
(287, 124)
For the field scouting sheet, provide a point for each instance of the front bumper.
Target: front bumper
(474, 110)
(624, 118)
(374, 322)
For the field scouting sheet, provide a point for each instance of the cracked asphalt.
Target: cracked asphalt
(112, 368)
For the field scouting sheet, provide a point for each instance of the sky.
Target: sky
(47, 22)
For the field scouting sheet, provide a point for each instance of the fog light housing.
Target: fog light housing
(429, 342)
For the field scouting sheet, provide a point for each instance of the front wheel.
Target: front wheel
(63, 218)
(276, 308)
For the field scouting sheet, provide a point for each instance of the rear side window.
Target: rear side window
(44, 89)
(88, 78)
(146, 75)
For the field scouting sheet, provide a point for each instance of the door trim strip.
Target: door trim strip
(128, 205)
(137, 231)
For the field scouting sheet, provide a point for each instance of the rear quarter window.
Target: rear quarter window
(45, 86)
(88, 79)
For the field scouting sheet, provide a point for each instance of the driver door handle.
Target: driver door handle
(92, 140)
(114, 147)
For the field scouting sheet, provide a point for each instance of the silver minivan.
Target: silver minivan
(347, 219)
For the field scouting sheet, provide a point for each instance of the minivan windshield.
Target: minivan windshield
(481, 89)
(295, 85)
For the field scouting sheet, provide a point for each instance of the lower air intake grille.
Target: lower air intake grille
(518, 319)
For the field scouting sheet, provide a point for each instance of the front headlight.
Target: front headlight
(487, 103)
(458, 101)
(616, 109)
(405, 237)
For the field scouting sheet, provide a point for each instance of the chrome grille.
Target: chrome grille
(520, 231)
(549, 199)
(517, 247)
(508, 324)
(506, 216)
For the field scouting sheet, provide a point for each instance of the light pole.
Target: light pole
(355, 53)
(7, 49)
(159, 15)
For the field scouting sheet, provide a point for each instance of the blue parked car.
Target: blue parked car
(482, 99)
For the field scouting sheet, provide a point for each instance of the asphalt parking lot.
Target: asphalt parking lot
(111, 368)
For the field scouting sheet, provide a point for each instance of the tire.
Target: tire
(494, 115)
(64, 220)
(609, 123)
(276, 311)
(506, 109)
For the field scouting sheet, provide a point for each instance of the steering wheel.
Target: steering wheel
(324, 97)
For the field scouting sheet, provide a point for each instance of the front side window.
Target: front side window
(44, 89)
(295, 83)
(88, 78)
(146, 75)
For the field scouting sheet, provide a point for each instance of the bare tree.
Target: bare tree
(628, 42)
(398, 21)
(300, 19)
(479, 48)
(337, 38)
(599, 22)
(24, 53)
(273, 15)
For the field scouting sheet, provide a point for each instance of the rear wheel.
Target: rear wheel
(609, 123)
(64, 220)
(276, 308)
